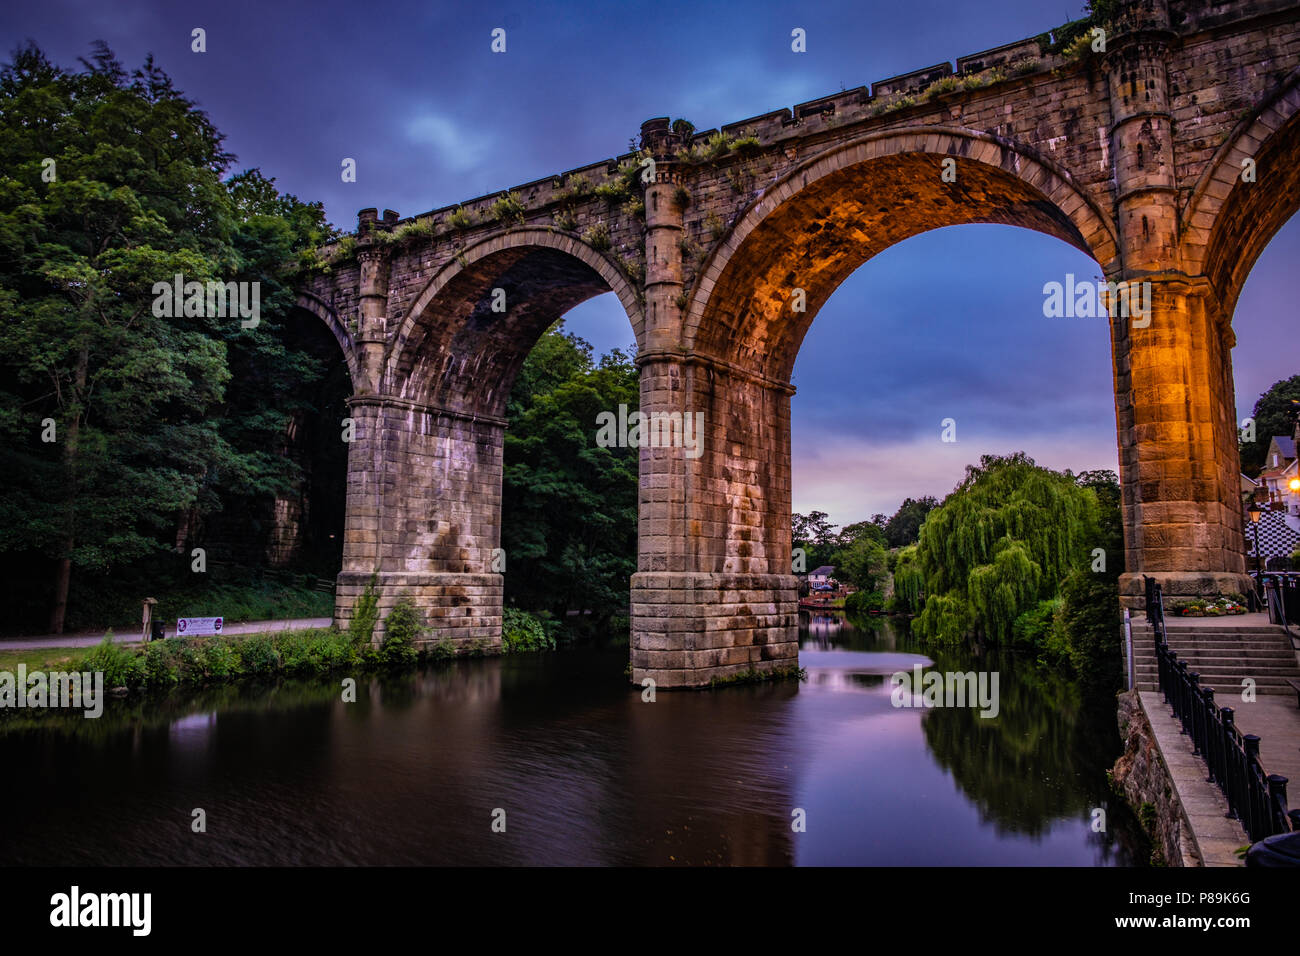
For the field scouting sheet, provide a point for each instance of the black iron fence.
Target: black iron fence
(1281, 592)
(1255, 797)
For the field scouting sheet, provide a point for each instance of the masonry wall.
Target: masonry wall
(1133, 132)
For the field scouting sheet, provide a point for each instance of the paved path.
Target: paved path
(1275, 719)
(1217, 838)
(90, 638)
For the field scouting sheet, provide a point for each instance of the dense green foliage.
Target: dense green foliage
(403, 628)
(864, 601)
(161, 665)
(521, 631)
(909, 580)
(569, 507)
(365, 615)
(815, 534)
(1001, 542)
(904, 527)
(862, 564)
(1025, 557)
(1275, 413)
(110, 183)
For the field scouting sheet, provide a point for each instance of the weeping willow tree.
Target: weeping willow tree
(909, 582)
(1004, 540)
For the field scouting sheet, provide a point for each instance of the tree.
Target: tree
(862, 564)
(1275, 414)
(816, 535)
(1002, 541)
(111, 184)
(569, 507)
(133, 196)
(1105, 485)
(905, 526)
(852, 533)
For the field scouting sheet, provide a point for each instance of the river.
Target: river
(554, 759)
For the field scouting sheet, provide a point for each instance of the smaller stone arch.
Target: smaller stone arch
(1227, 221)
(408, 337)
(310, 302)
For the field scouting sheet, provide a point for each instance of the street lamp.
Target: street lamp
(1255, 511)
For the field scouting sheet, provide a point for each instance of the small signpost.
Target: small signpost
(197, 626)
(146, 619)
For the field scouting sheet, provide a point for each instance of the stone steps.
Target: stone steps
(1222, 655)
(1225, 690)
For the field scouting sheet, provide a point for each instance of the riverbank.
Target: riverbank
(586, 769)
(201, 662)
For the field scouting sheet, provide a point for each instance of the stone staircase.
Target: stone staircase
(1223, 653)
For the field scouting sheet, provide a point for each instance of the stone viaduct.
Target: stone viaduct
(1171, 156)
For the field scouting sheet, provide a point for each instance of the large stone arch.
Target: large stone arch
(1227, 220)
(831, 214)
(309, 302)
(451, 347)
(425, 464)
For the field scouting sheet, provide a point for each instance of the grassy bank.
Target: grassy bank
(235, 594)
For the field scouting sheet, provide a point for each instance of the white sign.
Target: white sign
(197, 626)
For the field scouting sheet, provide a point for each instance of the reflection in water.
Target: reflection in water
(586, 772)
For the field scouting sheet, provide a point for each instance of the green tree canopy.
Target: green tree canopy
(569, 508)
(862, 564)
(115, 421)
(1002, 541)
(1275, 414)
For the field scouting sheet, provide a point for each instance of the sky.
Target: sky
(947, 324)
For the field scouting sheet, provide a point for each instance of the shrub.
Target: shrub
(159, 673)
(403, 627)
(945, 84)
(717, 146)
(862, 602)
(597, 237)
(295, 652)
(461, 218)
(444, 650)
(575, 187)
(508, 208)
(615, 190)
(1090, 619)
(1033, 627)
(566, 220)
(258, 655)
(365, 614)
(120, 667)
(412, 231)
(521, 631)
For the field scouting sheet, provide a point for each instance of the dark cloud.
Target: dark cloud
(947, 324)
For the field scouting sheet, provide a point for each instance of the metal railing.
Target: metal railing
(1282, 595)
(1255, 797)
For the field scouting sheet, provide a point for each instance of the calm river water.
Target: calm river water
(585, 772)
